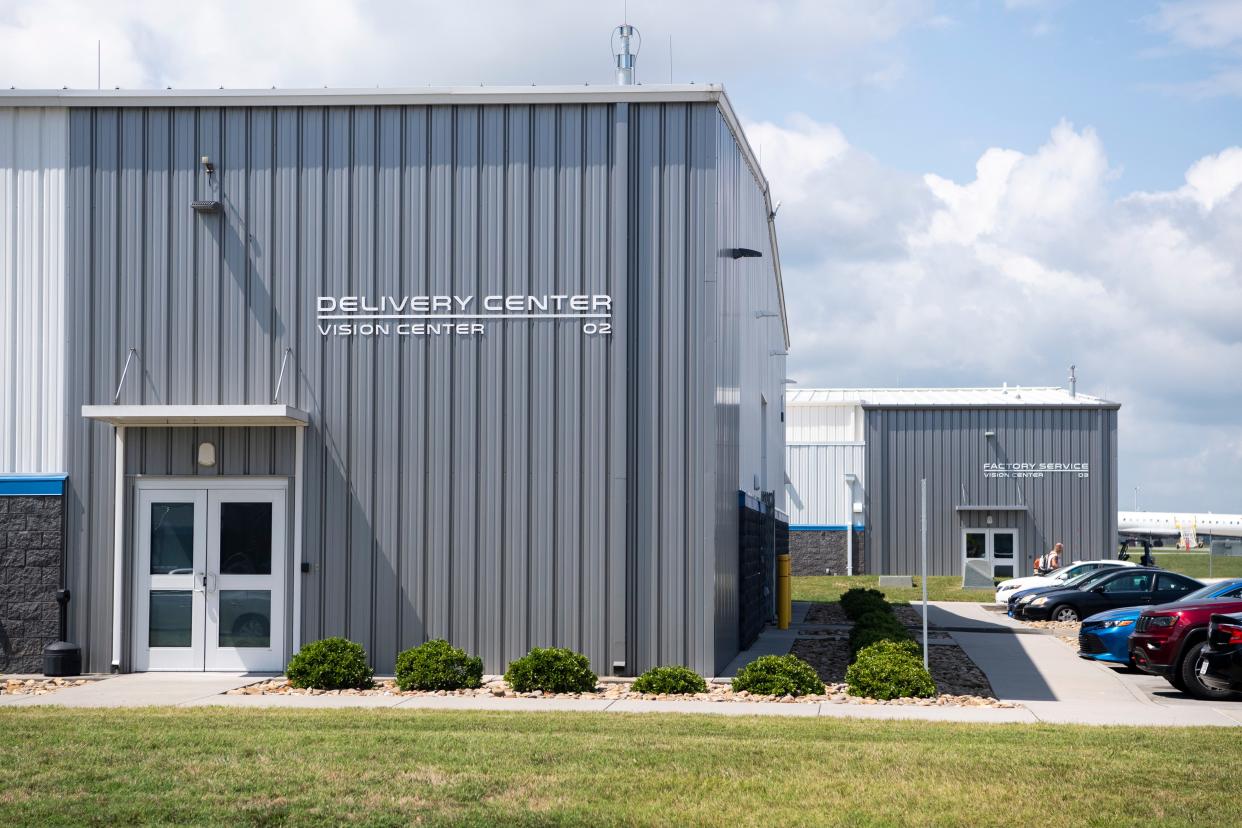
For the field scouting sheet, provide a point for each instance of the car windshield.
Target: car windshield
(1070, 573)
(1090, 578)
(1223, 592)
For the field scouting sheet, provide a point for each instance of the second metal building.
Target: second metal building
(1010, 472)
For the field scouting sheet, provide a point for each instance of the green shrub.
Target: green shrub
(670, 680)
(330, 664)
(857, 601)
(880, 619)
(889, 670)
(785, 675)
(438, 665)
(863, 637)
(552, 670)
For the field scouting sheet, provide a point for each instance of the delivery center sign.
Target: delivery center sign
(450, 315)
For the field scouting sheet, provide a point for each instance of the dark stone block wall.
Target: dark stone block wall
(750, 616)
(31, 538)
(823, 552)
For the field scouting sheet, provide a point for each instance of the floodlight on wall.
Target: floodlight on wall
(764, 314)
(789, 381)
(988, 435)
(778, 353)
(742, 253)
(208, 167)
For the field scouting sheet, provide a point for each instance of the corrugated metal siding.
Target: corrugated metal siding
(747, 371)
(33, 156)
(532, 486)
(818, 476)
(949, 448)
(823, 423)
(456, 487)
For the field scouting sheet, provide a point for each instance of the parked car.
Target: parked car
(1020, 600)
(1066, 573)
(1105, 636)
(1220, 665)
(1129, 588)
(1169, 640)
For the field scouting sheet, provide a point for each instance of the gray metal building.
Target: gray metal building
(496, 365)
(1010, 472)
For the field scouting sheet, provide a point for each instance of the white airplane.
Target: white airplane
(1184, 526)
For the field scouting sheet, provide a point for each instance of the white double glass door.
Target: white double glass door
(996, 548)
(210, 569)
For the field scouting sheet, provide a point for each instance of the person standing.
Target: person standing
(1054, 557)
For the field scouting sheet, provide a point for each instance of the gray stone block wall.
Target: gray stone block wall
(31, 538)
(823, 552)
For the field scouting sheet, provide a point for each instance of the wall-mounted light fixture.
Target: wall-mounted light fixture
(764, 314)
(778, 353)
(742, 253)
(789, 381)
(208, 167)
(207, 454)
(988, 435)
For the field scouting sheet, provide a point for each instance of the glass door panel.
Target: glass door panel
(169, 600)
(1004, 544)
(245, 591)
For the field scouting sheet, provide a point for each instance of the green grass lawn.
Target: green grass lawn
(232, 767)
(939, 588)
(1194, 564)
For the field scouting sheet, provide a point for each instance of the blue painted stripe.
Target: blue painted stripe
(836, 527)
(16, 485)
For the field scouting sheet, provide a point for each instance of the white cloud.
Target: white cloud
(1201, 24)
(1019, 272)
(146, 43)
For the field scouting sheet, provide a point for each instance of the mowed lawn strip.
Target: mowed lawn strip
(828, 588)
(227, 766)
(1195, 564)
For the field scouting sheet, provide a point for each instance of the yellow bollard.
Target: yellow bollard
(784, 594)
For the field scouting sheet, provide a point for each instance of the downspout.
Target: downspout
(299, 454)
(118, 547)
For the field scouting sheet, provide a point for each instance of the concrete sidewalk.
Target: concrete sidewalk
(1054, 684)
(139, 690)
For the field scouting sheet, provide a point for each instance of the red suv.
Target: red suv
(1168, 639)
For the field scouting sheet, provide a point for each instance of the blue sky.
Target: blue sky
(973, 75)
(973, 192)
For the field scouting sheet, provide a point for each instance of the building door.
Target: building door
(994, 549)
(210, 566)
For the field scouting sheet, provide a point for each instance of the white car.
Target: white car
(1007, 588)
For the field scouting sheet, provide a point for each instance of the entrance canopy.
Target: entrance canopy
(196, 415)
(164, 416)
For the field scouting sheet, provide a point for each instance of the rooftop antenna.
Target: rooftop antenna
(1073, 378)
(626, 42)
(98, 65)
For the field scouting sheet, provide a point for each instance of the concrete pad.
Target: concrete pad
(715, 708)
(142, 689)
(1130, 714)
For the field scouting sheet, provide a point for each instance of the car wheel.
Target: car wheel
(1065, 613)
(1188, 672)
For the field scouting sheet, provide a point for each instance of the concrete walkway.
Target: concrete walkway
(771, 641)
(1054, 684)
(139, 690)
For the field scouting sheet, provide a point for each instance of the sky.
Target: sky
(972, 192)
